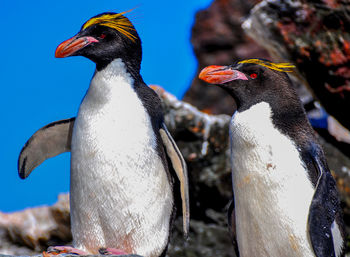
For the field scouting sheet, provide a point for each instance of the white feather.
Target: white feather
(271, 188)
(337, 239)
(120, 193)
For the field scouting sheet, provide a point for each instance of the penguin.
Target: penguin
(121, 185)
(285, 199)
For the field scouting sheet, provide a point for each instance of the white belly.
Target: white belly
(120, 194)
(271, 188)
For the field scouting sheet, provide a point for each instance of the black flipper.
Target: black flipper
(49, 141)
(231, 217)
(324, 208)
(180, 168)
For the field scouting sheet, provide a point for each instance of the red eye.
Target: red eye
(253, 75)
(102, 36)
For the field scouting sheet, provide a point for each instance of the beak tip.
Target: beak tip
(208, 75)
(203, 75)
(59, 54)
(60, 50)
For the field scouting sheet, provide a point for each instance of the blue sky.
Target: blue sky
(37, 88)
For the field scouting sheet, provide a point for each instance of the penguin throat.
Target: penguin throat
(132, 67)
(115, 69)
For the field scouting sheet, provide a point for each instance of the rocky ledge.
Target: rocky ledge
(73, 255)
(203, 140)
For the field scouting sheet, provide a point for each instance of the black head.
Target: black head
(102, 39)
(252, 81)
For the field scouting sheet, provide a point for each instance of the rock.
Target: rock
(210, 175)
(206, 239)
(34, 229)
(315, 35)
(203, 140)
(217, 38)
(72, 255)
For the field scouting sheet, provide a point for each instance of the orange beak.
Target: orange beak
(215, 74)
(70, 46)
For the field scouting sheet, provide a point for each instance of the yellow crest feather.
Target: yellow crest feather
(284, 67)
(115, 21)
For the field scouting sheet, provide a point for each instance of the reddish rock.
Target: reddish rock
(218, 38)
(315, 35)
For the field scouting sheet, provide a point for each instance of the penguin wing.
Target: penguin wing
(324, 214)
(180, 168)
(232, 226)
(49, 141)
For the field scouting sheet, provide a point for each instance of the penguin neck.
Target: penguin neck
(131, 67)
(110, 84)
(286, 107)
(117, 70)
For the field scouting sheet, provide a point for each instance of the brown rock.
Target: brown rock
(35, 228)
(217, 38)
(315, 35)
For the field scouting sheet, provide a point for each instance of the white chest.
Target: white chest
(271, 188)
(120, 193)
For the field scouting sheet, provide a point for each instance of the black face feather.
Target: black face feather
(262, 84)
(104, 38)
(111, 45)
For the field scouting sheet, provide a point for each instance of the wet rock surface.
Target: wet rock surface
(203, 140)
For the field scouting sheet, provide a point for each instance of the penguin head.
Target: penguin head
(102, 39)
(251, 81)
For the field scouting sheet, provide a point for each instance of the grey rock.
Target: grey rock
(203, 140)
(71, 255)
(32, 230)
(206, 239)
(314, 35)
